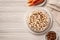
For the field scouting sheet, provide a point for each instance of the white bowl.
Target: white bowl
(50, 17)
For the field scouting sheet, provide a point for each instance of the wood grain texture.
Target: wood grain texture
(12, 21)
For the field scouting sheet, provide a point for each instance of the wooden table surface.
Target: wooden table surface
(12, 23)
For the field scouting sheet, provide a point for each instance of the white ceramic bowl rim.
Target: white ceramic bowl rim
(48, 12)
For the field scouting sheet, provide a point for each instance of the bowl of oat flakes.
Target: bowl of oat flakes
(39, 20)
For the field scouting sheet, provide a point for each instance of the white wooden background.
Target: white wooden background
(12, 23)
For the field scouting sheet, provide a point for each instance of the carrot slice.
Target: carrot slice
(33, 2)
(39, 2)
(29, 1)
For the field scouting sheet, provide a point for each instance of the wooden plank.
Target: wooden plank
(13, 6)
(12, 21)
(12, 0)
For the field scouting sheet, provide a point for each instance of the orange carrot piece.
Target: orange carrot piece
(29, 1)
(38, 2)
(33, 3)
